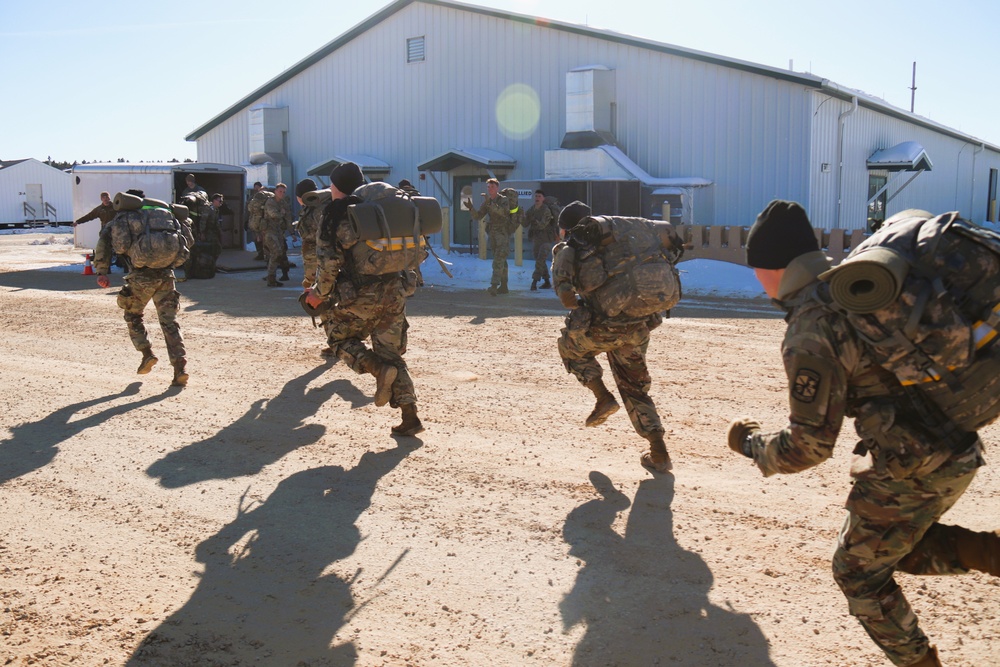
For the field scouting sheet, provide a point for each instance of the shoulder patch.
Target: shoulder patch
(806, 385)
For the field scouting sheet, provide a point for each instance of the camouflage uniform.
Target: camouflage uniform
(543, 231)
(501, 224)
(913, 470)
(105, 213)
(587, 334)
(307, 227)
(143, 285)
(365, 306)
(277, 223)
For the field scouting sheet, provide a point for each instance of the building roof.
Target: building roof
(10, 163)
(806, 79)
(907, 156)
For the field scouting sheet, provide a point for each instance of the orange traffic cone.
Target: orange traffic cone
(88, 268)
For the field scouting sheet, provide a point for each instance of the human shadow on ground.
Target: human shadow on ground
(269, 430)
(264, 597)
(643, 598)
(33, 445)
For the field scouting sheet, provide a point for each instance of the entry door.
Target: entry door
(33, 196)
(465, 231)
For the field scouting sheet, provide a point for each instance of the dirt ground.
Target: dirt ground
(265, 516)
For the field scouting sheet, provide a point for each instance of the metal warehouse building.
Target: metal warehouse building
(447, 94)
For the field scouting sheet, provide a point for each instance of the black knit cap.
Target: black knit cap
(347, 176)
(304, 186)
(572, 214)
(780, 234)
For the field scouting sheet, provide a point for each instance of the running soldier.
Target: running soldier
(911, 466)
(502, 212)
(608, 316)
(543, 232)
(363, 306)
(307, 227)
(151, 277)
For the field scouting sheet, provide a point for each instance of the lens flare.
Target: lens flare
(518, 111)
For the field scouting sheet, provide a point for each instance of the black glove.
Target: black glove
(740, 431)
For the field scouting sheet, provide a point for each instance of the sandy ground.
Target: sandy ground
(265, 516)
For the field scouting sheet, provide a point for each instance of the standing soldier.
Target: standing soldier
(193, 187)
(594, 277)
(105, 211)
(915, 464)
(257, 244)
(543, 232)
(276, 224)
(502, 211)
(148, 234)
(366, 306)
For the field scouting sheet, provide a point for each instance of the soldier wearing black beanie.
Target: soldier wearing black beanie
(347, 177)
(304, 186)
(780, 234)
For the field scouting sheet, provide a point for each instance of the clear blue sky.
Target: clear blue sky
(104, 79)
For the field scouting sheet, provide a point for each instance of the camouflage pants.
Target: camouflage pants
(625, 344)
(277, 254)
(888, 520)
(499, 245)
(543, 253)
(156, 285)
(378, 312)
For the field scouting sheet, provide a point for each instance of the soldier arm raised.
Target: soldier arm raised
(93, 215)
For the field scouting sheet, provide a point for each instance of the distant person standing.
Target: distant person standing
(501, 211)
(543, 232)
(277, 223)
(105, 211)
(193, 187)
(257, 244)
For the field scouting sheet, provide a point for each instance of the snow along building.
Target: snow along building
(32, 192)
(624, 123)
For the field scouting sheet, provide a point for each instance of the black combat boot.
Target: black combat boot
(148, 361)
(503, 287)
(284, 274)
(657, 457)
(606, 404)
(180, 374)
(411, 422)
(534, 285)
(385, 374)
(546, 284)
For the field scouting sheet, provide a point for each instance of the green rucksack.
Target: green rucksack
(150, 234)
(387, 229)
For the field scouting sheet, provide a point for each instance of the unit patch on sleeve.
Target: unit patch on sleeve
(806, 385)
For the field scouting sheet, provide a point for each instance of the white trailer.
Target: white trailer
(163, 181)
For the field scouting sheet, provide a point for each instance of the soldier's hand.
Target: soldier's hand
(468, 204)
(103, 281)
(739, 432)
(314, 300)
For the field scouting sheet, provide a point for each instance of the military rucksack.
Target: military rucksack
(151, 235)
(626, 266)
(923, 295)
(256, 209)
(387, 228)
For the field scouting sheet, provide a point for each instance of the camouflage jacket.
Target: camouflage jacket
(541, 224)
(277, 216)
(502, 216)
(307, 228)
(105, 213)
(331, 253)
(831, 375)
(194, 191)
(207, 228)
(104, 250)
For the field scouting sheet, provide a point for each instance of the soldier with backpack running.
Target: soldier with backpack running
(919, 450)
(617, 276)
(364, 294)
(147, 232)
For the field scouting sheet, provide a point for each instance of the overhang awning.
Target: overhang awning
(482, 157)
(907, 156)
(369, 165)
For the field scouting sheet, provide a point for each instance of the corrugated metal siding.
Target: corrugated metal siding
(56, 190)
(755, 136)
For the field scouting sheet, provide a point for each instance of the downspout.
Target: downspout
(958, 171)
(840, 157)
(972, 193)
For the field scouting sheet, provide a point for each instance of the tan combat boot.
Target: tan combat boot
(930, 659)
(606, 404)
(411, 422)
(385, 374)
(148, 361)
(657, 457)
(180, 373)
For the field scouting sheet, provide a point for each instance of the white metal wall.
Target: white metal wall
(755, 136)
(55, 184)
(957, 181)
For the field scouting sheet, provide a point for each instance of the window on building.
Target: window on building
(876, 205)
(415, 50)
(992, 214)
